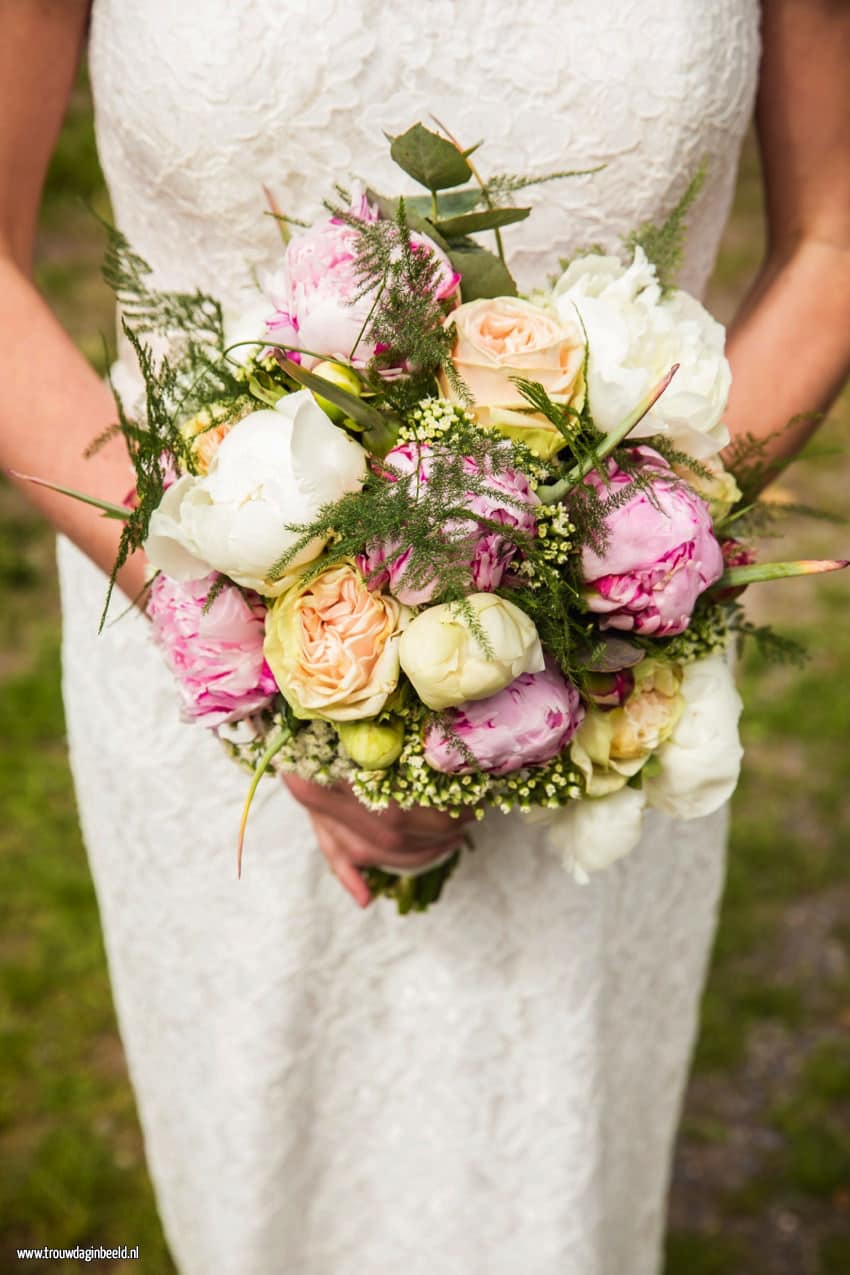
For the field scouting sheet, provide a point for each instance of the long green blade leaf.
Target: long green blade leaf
(106, 507)
(758, 572)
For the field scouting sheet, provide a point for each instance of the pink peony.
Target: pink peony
(315, 291)
(216, 658)
(508, 500)
(660, 553)
(526, 724)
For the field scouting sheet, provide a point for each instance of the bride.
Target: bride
(326, 1090)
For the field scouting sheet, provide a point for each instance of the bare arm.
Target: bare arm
(790, 344)
(52, 404)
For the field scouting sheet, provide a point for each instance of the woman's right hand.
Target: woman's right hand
(352, 837)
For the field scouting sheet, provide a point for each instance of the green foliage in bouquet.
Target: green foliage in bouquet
(178, 385)
(664, 245)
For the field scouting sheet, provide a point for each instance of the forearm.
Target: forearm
(789, 347)
(52, 405)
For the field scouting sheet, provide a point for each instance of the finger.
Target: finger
(367, 854)
(330, 838)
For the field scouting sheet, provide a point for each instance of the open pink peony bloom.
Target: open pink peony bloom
(315, 291)
(508, 500)
(526, 724)
(216, 658)
(660, 555)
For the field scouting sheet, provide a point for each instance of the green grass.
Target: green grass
(767, 1118)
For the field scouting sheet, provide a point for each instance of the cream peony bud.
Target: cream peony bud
(445, 661)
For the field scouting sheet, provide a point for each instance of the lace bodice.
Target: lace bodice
(199, 105)
(491, 1087)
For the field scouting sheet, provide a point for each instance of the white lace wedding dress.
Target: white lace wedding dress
(492, 1087)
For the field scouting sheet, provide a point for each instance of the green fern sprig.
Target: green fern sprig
(664, 244)
(407, 319)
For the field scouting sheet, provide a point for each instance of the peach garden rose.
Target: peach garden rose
(507, 337)
(332, 646)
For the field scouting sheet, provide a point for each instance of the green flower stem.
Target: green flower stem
(551, 495)
(274, 746)
(758, 572)
(105, 506)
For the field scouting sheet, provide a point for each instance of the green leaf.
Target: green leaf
(365, 415)
(487, 219)
(758, 572)
(482, 273)
(107, 508)
(429, 159)
(414, 210)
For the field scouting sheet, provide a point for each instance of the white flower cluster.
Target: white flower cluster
(432, 419)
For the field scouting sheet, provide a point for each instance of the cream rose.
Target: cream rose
(505, 337)
(332, 646)
(610, 747)
(447, 665)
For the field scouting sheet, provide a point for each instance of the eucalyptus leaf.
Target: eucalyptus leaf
(482, 273)
(429, 159)
(487, 219)
(415, 209)
(450, 203)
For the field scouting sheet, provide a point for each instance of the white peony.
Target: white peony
(635, 335)
(696, 771)
(447, 666)
(273, 468)
(590, 834)
(246, 330)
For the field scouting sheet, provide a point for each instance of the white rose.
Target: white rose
(635, 335)
(447, 665)
(274, 467)
(696, 771)
(592, 833)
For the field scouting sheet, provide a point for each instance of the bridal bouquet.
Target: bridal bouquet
(452, 546)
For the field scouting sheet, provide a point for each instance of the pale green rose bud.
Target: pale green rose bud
(372, 745)
(338, 374)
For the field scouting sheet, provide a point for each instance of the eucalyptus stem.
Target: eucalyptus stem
(500, 248)
(551, 495)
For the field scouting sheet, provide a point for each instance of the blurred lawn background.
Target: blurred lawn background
(762, 1173)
